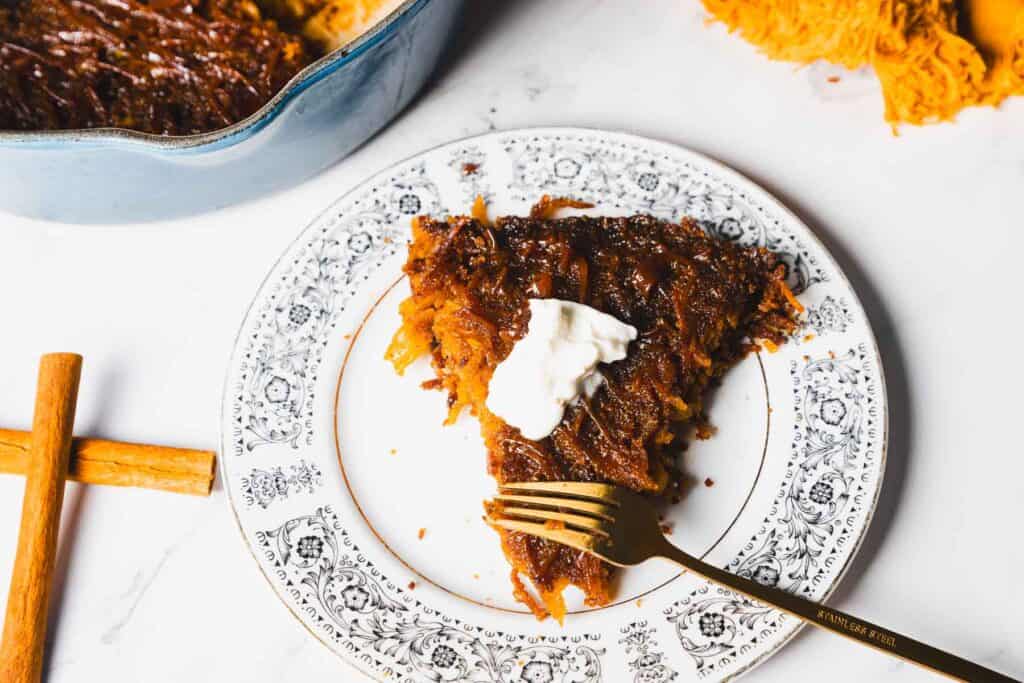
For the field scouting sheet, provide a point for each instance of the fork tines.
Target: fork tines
(576, 514)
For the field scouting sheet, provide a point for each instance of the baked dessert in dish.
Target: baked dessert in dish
(171, 67)
(697, 304)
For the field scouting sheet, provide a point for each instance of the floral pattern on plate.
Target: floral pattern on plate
(353, 602)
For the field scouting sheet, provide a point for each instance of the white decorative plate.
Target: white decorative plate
(334, 465)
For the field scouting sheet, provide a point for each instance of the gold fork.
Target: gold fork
(622, 528)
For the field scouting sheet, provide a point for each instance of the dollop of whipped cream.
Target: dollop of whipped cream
(554, 364)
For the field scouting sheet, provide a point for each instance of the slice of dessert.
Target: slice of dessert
(695, 304)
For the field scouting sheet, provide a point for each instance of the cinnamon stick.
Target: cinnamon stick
(115, 463)
(21, 648)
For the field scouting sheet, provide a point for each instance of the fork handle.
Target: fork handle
(844, 624)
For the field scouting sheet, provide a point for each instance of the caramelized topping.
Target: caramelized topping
(172, 67)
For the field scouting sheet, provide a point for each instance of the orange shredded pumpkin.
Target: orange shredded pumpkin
(479, 210)
(548, 206)
(933, 58)
(788, 293)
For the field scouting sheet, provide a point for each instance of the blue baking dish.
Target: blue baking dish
(326, 111)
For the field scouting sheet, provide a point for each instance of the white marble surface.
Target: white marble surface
(154, 587)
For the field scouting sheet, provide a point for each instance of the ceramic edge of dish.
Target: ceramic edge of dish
(327, 111)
